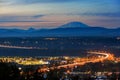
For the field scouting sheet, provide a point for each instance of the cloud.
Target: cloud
(33, 1)
(26, 25)
(19, 21)
(109, 14)
(57, 1)
(38, 16)
(1, 1)
(17, 2)
(44, 1)
(104, 14)
(12, 18)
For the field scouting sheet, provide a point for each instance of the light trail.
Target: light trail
(20, 47)
(84, 62)
(101, 53)
(106, 56)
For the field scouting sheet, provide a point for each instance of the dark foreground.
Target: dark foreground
(90, 71)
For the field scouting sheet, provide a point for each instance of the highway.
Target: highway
(19, 47)
(106, 56)
(87, 61)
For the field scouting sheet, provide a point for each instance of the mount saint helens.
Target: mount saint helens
(67, 30)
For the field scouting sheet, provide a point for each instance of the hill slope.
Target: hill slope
(69, 29)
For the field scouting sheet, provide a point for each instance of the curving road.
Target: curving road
(106, 56)
(101, 53)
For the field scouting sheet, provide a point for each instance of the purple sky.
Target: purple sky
(52, 13)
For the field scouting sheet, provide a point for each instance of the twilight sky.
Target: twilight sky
(52, 13)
